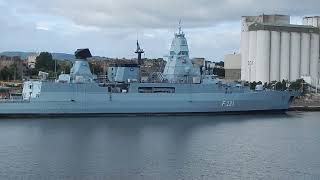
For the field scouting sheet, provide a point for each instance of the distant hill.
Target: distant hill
(25, 55)
(63, 56)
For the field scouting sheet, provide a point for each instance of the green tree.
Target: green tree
(221, 63)
(95, 68)
(5, 74)
(284, 85)
(64, 67)
(14, 73)
(31, 72)
(253, 85)
(45, 62)
(297, 85)
(10, 73)
(219, 72)
(279, 86)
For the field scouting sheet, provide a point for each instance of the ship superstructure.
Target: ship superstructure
(179, 68)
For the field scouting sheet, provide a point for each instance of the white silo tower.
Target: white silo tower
(314, 47)
(316, 22)
(285, 56)
(314, 56)
(263, 56)
(295, 49)
(244, 55)
(275, 50)
(248, 48)
(305, 54)
(275, 56)
(252, 56)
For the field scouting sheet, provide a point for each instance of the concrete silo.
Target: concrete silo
(248, 48)
(305, 54)
(275, 56)
(285, 56)
(314, 56)
(275, 50)
(312, 21)
(263, 56)
(315, 22)
(295, 49)
(244, 55)
(252, 56)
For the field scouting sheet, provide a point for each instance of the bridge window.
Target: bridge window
(183, 53)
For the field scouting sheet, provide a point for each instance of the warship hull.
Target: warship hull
(71, 100)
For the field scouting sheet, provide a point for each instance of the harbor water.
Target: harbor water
(255, 146)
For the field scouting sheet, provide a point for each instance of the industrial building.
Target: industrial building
(272, 49)
(232, 66)
(31, 61)
(312, 21)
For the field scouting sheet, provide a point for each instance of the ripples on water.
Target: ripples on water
(197, 147)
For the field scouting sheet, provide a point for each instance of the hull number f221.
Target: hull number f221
(227, 103)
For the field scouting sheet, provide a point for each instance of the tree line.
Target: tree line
(10, 73)
(44, 62)
(283, 85)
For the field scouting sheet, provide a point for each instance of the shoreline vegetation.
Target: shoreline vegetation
(308, 102)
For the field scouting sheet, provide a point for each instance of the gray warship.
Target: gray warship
(181, 89)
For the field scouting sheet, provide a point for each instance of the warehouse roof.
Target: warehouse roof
(283, 27)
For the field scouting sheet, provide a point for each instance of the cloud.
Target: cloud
(164, 13)
(110, 27)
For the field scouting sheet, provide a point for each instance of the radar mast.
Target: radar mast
(180, 27)
(139, 51)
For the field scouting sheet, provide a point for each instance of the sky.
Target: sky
(110, 28)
